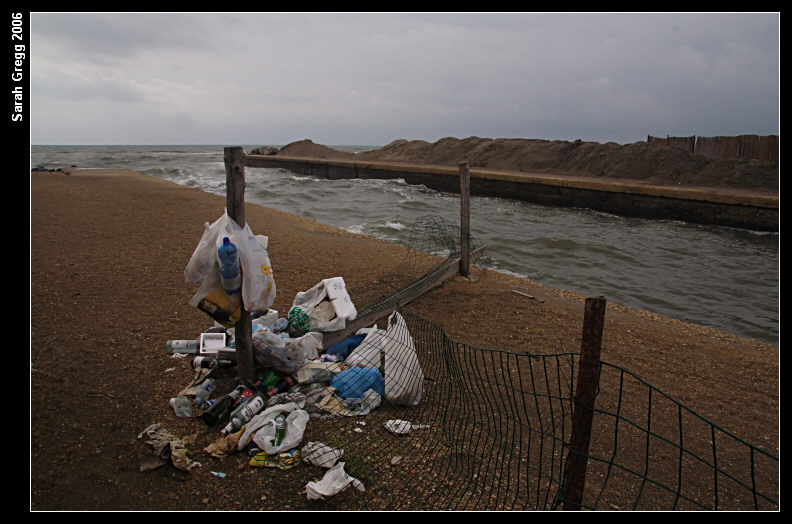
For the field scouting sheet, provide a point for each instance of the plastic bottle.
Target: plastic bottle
(270, 378)
(280, 326)
(205, 391)
(221, 407)
(182, 346)
(181, 406)
(229, 268)
(243, 414)
(280, 429)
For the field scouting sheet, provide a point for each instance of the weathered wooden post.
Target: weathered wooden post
(464, 219)
(234, 159)
(585, 392)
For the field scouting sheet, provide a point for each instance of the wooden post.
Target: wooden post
(585, 392)
(235, 207)
(464, 219)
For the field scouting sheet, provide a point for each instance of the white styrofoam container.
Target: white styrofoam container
(211, 343)
(268, 319)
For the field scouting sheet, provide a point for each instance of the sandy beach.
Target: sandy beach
(108, 252)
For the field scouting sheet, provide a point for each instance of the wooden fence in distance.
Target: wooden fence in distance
(753, 147)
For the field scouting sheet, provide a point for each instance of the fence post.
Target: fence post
(585, 392)
(234, 159)
(464, 219)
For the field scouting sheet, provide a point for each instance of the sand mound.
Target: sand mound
(636, 161)
(308, 148)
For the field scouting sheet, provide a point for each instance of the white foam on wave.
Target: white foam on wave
(398, 226)
(355, 228)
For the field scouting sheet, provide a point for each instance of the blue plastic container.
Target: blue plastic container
(229, 267)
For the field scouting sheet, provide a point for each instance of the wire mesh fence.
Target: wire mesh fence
(490, 431)
(433, 245)
(421, 422)
(649, 452)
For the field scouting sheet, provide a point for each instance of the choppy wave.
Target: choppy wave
(720, 277)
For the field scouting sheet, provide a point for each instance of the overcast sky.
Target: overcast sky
(368, 79)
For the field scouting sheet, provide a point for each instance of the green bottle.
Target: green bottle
(280, 428)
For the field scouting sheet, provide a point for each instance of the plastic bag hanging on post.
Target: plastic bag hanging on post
(258, 282)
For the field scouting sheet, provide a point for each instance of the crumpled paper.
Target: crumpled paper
(225, 445)
(160, 446)
(349, 407)
(402, 427)
(321, 455)
(333, 482)
(191, 389)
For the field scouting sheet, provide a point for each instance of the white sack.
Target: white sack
(334, 481)
(403, 373)
(262, 427)
(327, 305)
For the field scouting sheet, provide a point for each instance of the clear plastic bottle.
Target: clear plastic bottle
(229, 267)
(182, 346)
(181, 406)
(205, 391)
(281, 325)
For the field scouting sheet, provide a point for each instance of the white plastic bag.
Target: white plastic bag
(282, 353)
(403, 373)
(258, 282)
(262, 427)
(334, 481)
(327, 305)
(315, 371)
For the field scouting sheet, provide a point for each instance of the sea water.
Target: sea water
(719, 277)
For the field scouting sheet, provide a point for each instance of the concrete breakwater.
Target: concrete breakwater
(703, 206)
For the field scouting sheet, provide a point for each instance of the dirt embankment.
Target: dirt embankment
(637, 161)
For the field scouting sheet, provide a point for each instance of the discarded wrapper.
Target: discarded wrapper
(283, 460)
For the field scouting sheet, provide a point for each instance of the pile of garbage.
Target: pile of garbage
(297, 378)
